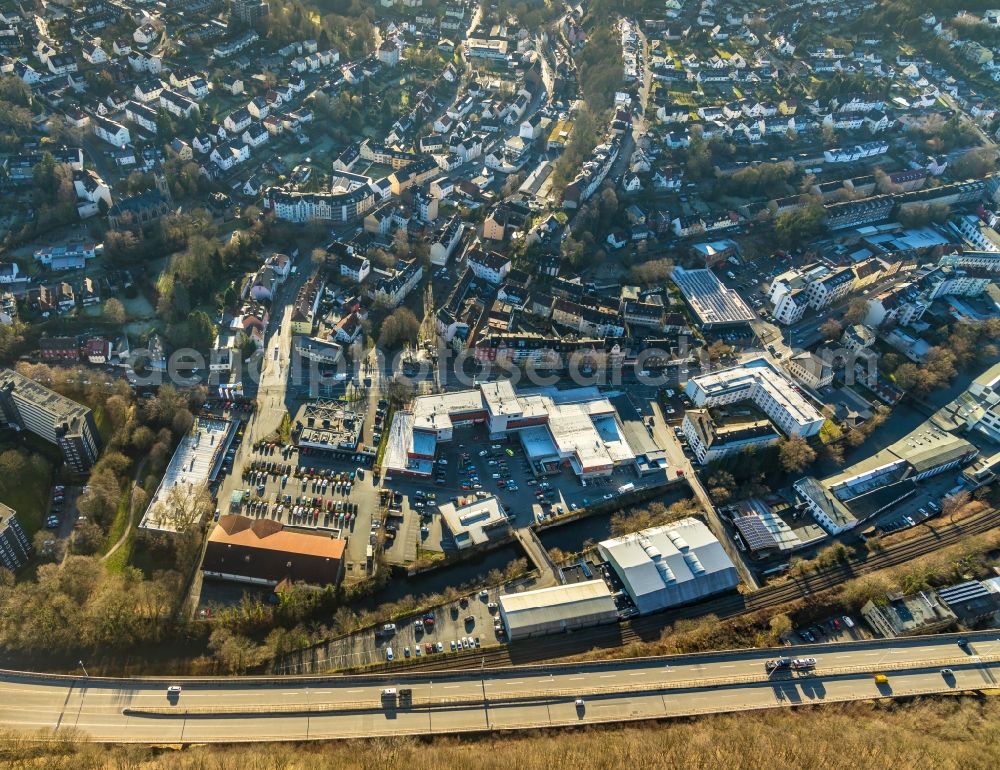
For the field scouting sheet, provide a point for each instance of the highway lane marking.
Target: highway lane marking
(605, 676)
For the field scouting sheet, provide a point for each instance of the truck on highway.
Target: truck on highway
(626, 488)
(777, 663)
(403, 697)
(803, 664)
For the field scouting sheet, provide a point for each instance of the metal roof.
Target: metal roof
(548, 606)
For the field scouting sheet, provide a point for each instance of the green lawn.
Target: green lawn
(31, 501)
(830, 432)
(103, 425)
(138, 306)
(121, 558)
(118, 524)
(384, 443)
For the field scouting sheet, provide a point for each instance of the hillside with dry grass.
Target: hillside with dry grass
(952, 733)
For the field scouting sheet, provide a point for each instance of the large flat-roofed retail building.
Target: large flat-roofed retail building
(671, 565)
(558, 609)
(713, 303)
(195, 462)
(579, 428)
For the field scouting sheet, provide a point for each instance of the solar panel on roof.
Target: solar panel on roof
(753, 531)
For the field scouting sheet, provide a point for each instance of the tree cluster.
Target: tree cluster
(766, 180)
(15, 113)
(793, 228)
(79, 605)
(652, 272)
(53, 193)
(968, 343)
(399, 328)
(795, 454)
(654, 515)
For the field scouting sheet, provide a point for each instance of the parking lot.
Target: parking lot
(472, 466)
(469, 623)
(61, 517)
(311, 491)
(922, 505)
(454, 626)
(839, 628)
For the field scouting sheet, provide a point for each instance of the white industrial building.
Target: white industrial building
(671, 565)
(556, 610)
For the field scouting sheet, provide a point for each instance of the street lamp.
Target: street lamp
(84, 669)
(486, 701)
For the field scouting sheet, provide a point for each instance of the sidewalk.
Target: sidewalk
(538, 556)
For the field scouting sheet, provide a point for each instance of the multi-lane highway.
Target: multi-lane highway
(228, 710)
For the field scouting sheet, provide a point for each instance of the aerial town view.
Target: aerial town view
(470, 383)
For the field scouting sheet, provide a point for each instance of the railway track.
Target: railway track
(649, 627)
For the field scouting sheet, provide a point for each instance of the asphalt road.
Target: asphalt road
(243, 710)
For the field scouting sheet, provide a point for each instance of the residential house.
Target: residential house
(355, 267)
(446, 239)
(238, 121)
(59, 348)
(490, 266)
(233, 84)
(810, 369)
(348, 329)
(90, 293)
(111, 132)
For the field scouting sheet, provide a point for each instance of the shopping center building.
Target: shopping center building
(578, 428)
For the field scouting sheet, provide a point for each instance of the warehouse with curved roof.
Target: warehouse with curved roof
(667, 566)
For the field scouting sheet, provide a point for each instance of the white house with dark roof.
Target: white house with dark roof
(111, 132)
(490, 266)
(256, 135)
(238, 121)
